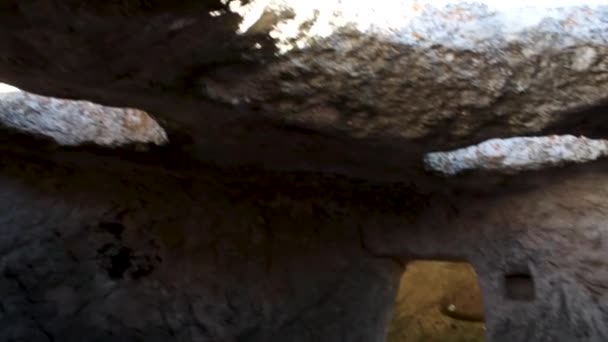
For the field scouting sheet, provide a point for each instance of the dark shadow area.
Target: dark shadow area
(104, 248)
(590, 122)
(519, 286)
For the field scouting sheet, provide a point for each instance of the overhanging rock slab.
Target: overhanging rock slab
(448, 71)
(439, 73)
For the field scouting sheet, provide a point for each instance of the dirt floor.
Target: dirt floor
(431, 292)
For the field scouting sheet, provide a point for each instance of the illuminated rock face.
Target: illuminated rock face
(518, 154)
(293, 190)
(445, 72)
(71, 122)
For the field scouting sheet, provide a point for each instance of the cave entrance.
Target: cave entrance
(438, 302)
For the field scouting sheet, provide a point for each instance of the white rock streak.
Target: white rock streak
(518, 154)
(76, 122)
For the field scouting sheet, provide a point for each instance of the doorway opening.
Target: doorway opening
(438, 302)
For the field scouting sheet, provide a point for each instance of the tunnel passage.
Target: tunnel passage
(438, 301)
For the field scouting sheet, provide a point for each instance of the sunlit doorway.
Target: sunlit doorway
(438, 302)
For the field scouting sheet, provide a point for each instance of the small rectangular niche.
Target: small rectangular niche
(519, 286)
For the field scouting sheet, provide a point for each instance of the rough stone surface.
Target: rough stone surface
(448, 71)
(425, 22)
(77, 122)
(108, 245)
(102, 249)
(111, 249)
(416, 77)
(518, 154)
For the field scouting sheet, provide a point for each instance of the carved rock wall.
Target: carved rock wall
(105, 248)
(222, 236)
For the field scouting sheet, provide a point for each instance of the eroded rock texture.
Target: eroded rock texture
(99, 249)
(549, 231)
(292, 191)
(77, 122)
(518, 154)
(115, 250)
